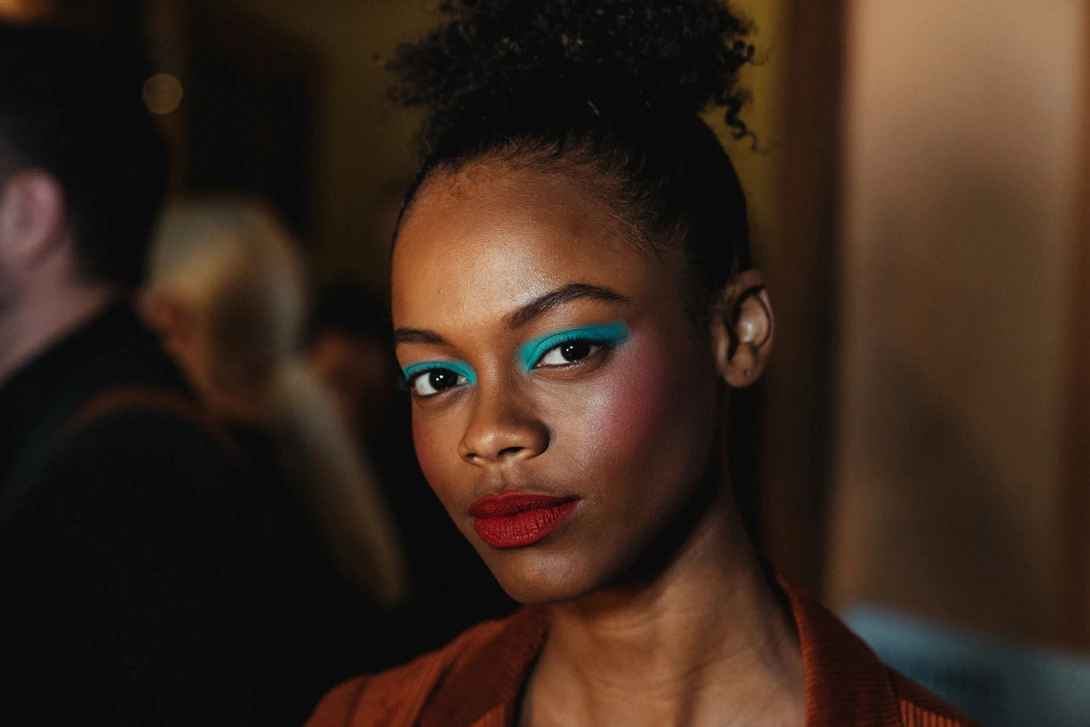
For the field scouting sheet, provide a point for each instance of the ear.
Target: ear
(742, 329)
(32, 217)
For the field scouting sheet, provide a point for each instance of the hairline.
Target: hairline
(539, 161)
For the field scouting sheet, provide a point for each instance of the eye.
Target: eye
(570, 347)
(568, 353)
(435, 381)
(430, 378)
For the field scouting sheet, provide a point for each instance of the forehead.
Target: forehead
(491, 238)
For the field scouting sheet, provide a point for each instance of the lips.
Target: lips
(518, 519)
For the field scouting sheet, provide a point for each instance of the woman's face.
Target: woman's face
(554, 373)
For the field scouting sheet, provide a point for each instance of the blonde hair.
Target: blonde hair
(241, 278)
(239, 273)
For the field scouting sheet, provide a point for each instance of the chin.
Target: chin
(536, 576)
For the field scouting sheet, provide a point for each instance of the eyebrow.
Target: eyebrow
(525, 314)
(560, 296)
(417, 335)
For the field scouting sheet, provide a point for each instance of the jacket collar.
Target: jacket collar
(483, 690)
(846, 684)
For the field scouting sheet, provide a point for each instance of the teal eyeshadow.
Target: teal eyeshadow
(459, 367)
(610, 334)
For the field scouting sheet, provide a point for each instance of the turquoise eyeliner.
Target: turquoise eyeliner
(459, 367)
(610, 334)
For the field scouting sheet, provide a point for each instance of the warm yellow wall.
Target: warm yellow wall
(364, 145)
(758, 169)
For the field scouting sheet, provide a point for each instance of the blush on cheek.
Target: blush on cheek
(635, 406)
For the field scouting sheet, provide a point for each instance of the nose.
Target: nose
(502, 431)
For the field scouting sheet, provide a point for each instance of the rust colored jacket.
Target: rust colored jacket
(475, 680)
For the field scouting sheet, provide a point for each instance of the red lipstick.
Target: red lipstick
(517, 519)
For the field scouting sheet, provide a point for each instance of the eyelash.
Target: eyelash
(414, 373)
(409, 382)
(596, 345)
(604, 337)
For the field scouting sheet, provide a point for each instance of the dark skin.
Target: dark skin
(660, 612)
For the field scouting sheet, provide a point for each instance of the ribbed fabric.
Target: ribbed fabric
(475, 680)
(921, 708)
(914, 715)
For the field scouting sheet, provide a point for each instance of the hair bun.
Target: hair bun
(617, 56)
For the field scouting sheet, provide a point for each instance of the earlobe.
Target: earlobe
(742, 330)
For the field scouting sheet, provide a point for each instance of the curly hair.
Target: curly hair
(611, 90)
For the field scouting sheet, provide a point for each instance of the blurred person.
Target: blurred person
(350, 349)
(573, 304)
(226, 290)
(125, 561)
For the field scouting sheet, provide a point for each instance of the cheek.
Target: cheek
(433, 451)
(638, 408)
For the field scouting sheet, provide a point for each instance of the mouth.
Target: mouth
(518, 519)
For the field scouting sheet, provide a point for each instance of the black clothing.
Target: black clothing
(315, 628)
(124, 561)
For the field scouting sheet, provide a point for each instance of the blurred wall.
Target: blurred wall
(362, 146)
(962, 137)
(757, 167)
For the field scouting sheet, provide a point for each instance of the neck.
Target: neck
(705, 641)
(39, 319)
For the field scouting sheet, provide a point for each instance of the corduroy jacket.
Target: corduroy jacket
(475, 680)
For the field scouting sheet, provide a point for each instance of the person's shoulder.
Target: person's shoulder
(921, 708)
(145, 446)
(396, 696)
(143, 424)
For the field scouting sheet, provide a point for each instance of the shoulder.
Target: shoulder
(921, 708)
(133, 459)
(142, 428)
(398, 696)
(846, 682)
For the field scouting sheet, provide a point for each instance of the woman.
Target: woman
(573, 301)
(226, 292)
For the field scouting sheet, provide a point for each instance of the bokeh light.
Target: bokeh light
(25, 10)
(162, 93)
